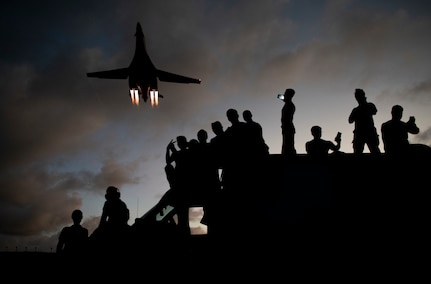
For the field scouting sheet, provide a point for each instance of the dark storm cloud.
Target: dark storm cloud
(45, 114)
(47, 117)
(421, 92)
(424, 137)
(34, 31)
(30, 195)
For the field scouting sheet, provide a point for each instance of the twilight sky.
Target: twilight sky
(66, 137)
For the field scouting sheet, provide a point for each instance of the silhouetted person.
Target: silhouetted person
(115, 213)
(113, 232)
(235, 175)
(181, 180)
(241, 175)
(319, 147)
(236, 152)
(170, 198)
(217, 143)
(73, 240)
(170, 174)
(395, 132)
(256, 141)
(287, 126)
(195, 169)
(207, 174)
(364, 132)
(218, 152)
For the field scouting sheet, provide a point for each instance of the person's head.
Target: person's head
(112, 193)
(182, 142)
(77, 216)
(288, 94)
(360, 95)
(202, 135)
(217, 127)
(232, 115)
(247, 116)
(193, 143)
(316, 131)
(397, 112)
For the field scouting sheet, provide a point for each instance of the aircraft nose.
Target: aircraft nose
(138, 29)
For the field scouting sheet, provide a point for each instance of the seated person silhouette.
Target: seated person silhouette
(319, 148)
(73, 239)
(113, 228)
(395, 132)
(115, 213)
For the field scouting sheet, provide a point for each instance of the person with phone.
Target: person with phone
(287, 126)
(318, 147)
(395, 132)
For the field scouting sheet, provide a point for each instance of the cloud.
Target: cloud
(420, 92)
(65, 136)
(423, 137)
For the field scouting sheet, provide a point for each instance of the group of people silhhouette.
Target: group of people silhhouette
(111, 235)
(192, 167)
(224, 173)
(394, 132)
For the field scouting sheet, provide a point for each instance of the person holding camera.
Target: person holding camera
(318, 147)
(395, 132)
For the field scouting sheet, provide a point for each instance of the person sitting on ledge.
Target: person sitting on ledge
(395, 132)
(320, 148)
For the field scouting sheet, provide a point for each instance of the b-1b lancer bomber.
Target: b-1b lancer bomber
(143, 74)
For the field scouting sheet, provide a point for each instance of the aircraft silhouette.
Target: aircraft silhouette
(143, 74)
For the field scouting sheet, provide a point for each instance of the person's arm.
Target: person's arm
(352, 116)
(170, 148)
(104, 216)
(411, 126)
(60, 243)
(338, 142)
(307, 147)
(336, 147)
(167, 155)
(372, 108)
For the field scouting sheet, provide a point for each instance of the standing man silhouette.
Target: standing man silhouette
(287, 127)
(73, 240)
(217, 146)
(182, 178)
(256, 143)
(217, 143)
(364, 132)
